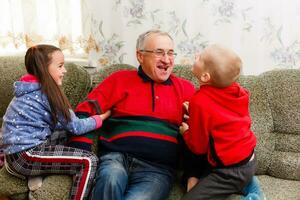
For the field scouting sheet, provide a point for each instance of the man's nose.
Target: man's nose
(165, 58)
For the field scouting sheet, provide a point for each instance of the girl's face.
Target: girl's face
(57, 68)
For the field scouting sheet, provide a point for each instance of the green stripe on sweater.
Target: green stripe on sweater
(115, 126)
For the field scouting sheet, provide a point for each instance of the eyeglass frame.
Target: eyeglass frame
(160, 53)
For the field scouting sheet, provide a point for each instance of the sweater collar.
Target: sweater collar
(146, 78)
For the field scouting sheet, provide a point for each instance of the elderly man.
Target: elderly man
(139, 143)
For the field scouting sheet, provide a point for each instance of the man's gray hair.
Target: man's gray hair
(140, 43)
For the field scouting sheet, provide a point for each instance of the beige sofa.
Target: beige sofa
(275, 111)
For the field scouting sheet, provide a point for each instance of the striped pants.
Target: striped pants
(57, 159)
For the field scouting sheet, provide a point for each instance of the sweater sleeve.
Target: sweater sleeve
(104, 96)
(197, 136)
(79, 126)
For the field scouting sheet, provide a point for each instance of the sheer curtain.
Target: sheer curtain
(24, 23)
(263, 33)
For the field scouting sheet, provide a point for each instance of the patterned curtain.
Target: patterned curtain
(263, 33)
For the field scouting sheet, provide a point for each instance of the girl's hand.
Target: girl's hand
(105, 115)
(192, 181)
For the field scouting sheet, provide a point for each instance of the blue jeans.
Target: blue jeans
(253, 191)
(122, 177)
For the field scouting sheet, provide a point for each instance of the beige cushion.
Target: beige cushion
(283, 88)
(12, 186)
(54, 187)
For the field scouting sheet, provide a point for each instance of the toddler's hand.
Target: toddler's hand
(105, 115)
(184, 126)
(192, 181)
(185, 110)
(186, 106)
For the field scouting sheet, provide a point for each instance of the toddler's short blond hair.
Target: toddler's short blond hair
(223, 65)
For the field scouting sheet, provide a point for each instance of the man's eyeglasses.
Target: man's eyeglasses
(160, 53)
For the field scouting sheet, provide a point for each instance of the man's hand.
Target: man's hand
(192, 181)
(105, 115)
(184, 127)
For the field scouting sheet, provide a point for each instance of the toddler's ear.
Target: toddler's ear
(205, 78)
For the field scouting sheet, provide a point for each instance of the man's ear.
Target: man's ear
(139, 56)
(205, 77)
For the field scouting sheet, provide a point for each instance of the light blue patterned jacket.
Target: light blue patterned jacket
(27, 121)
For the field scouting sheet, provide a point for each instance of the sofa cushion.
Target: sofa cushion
(283, 91)
(11, 69)
(102, 73)
(261, 114)
(184, 71)
(54, 187)
(283, 88)
(287, 142)
(285, 165)
(12, 186)
(279, 189)
(76, 84)
(262, 121)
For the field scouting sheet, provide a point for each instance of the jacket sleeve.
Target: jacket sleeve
(79, 126)
(104, 96)
(197, 136)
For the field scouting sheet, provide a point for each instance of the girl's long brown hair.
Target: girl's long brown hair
(37, 60)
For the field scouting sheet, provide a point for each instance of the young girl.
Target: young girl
(39, 108)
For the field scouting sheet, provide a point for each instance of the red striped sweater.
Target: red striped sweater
(145, 115)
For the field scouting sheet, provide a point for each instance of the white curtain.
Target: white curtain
(264, 33)
(24, 23)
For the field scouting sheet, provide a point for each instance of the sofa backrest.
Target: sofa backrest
(283, 88)
(283, 91)
(102, 73)
(76, 85)
(10, 70)
(262, 121)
